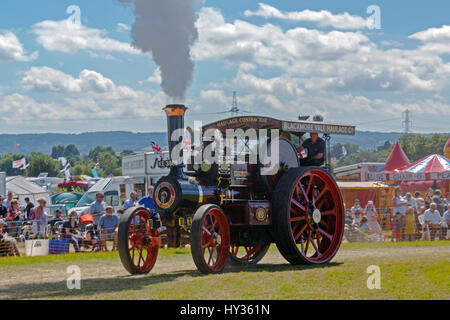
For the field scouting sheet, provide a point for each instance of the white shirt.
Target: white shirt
(447, 216)
(7, 203)
(432, 217)
(397, 207)
(412, 203)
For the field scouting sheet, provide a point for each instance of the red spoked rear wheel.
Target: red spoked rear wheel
(138, 241)
(210, 239)
(241, 255)
(309, 216)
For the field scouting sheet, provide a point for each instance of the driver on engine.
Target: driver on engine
(316, 148)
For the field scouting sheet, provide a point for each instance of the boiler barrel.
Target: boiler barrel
(171, 193)
(194, 194)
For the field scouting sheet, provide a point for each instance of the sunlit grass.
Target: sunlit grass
(78, 257)
(409, 270)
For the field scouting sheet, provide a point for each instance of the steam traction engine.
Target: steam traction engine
(234, 212)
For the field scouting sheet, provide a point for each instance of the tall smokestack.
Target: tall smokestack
(175, 120)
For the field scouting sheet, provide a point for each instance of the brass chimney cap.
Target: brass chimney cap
(173, 110)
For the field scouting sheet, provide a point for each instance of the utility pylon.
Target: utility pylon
(407, 121)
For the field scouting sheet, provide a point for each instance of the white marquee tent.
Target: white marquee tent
(22, 188)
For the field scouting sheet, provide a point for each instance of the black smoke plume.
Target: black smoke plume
(166, 29)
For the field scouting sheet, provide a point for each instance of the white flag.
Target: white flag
(66, 167)
(344, 151)
(22, 163)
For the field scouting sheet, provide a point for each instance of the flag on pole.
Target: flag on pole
(18, 164)
(186, 143)
(95, 171)
(157, 149)
(66, 167)
(344, 151)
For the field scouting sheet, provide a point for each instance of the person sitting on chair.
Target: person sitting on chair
(8, 245)
(71, 231)
(109, 228)
(92, 238)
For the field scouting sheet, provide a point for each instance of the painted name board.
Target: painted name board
(319, 127)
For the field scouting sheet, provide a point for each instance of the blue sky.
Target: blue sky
(284, 58)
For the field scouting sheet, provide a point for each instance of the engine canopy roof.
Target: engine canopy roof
(258, 122)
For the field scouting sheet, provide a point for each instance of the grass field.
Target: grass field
(419, 270)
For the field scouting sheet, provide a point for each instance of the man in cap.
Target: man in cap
(316, 147)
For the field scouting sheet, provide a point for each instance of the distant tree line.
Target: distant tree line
(416, 146)
(109, 162)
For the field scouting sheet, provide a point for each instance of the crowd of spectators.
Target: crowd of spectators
(15, 218)
(92, 229)
(412, 217)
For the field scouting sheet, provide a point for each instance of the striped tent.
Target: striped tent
(432, 167)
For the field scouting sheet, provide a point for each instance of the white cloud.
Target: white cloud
(11, 49)
(105, 56)
(86, 96)
(324, 18)
(49, 79)
(122, 27)
(435, 40)
(68, 37)
(267, 45)
(16, 107)
(319, 60)
(391, 43)
(280, 72)
(156, 77)
(216, 97)
(433, 34)
(283, 85)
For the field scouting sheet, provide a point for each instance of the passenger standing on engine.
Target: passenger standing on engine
(316, 150)
(147, 201)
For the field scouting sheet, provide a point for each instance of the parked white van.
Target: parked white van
(116, 190)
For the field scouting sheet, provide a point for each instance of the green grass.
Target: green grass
(77, 257)
(417, 270)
